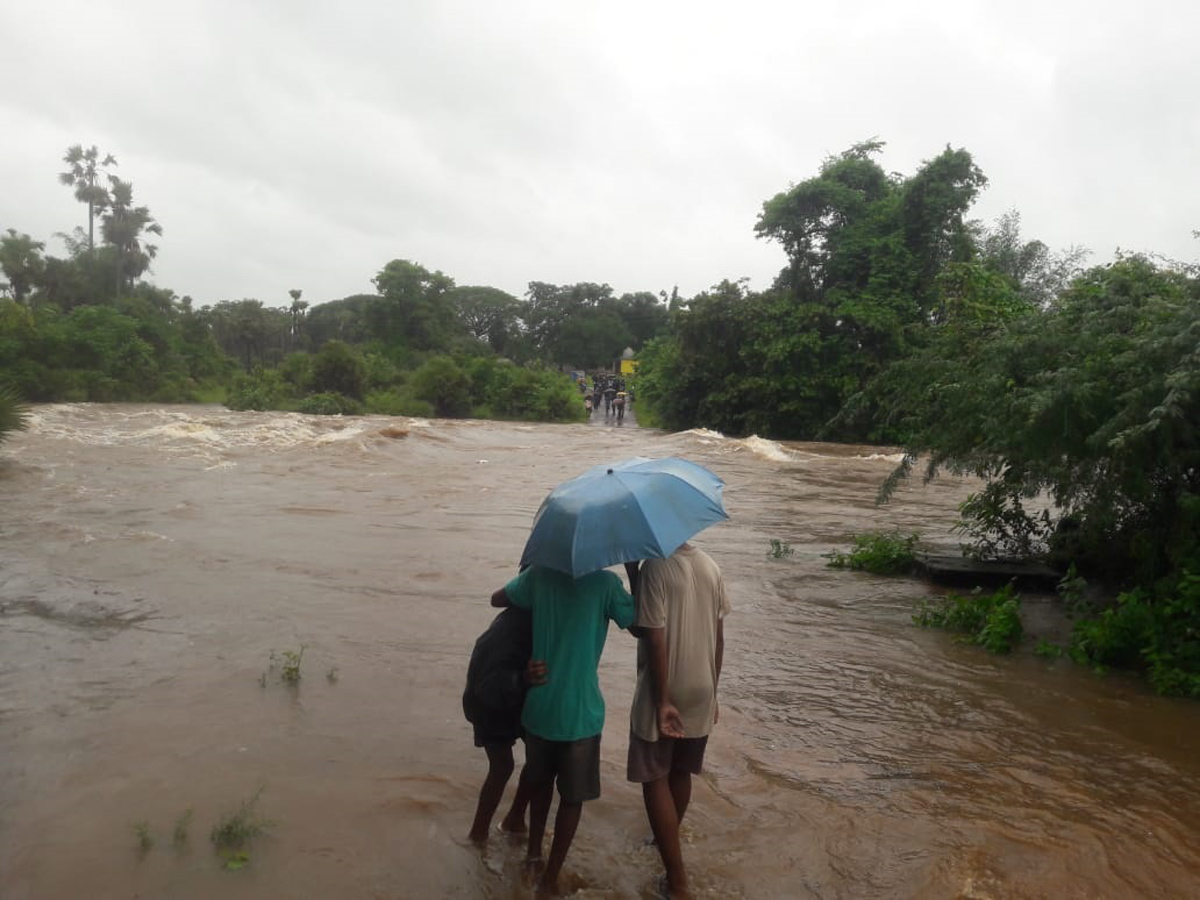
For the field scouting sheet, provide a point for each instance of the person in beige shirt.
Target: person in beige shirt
(681, 607)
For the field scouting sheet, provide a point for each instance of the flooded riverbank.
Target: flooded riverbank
(153, 559)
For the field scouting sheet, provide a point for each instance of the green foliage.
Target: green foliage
(882, 553)
(442, 384)
(780, 550)
(329, 404)
(179, 834)
(1160, 635)
(338, 369)
(232, 834)
(145, 839)
(398, 403)
(992, 621)
(14, 415)
(861, 290)
(261, 389)
(1047, 650)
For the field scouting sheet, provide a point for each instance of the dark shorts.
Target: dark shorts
(652, 760)
(575, 765)
(492, 727)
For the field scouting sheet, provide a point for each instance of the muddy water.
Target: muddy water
(152, 559)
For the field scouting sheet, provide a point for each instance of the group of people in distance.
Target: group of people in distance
(609, 390)
(533, 675)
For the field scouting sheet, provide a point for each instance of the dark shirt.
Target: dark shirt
(495, 674)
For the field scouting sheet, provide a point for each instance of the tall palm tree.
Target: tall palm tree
(85, 170)
(123, 227)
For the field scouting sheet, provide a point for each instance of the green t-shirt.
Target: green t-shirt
(570, 624)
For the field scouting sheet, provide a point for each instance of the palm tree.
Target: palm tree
(123, 228)
(14, 415)
(85, 170)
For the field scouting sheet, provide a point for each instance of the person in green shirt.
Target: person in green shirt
(564, 717)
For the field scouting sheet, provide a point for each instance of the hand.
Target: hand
(670, 723)
(535, 672)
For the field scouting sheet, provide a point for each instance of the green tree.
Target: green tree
(124, 228)
(21, 261)
(84, 174)
(417, 312)
(488, 314)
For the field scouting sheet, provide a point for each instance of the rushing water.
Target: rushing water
(153, 558)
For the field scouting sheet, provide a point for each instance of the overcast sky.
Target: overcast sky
(297, 144)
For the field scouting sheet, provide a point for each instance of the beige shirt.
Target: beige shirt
(685, 594)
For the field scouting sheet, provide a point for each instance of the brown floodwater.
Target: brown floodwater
(152, 559)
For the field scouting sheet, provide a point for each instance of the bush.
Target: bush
(992, 621)
(338, 369)
(261, 389)
(329, 404)
(882, 553)
(442, 384)
(1158, 635)
(398, 403)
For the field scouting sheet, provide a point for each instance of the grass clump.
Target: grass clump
(878, 552)
(232, 834)
(992, 621)
(780, 549)
(145, 840)
(179, 835)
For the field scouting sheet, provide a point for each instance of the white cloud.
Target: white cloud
(304, 145)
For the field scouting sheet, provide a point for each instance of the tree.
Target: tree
(21, 261)
(417, 312)
(84, 176)
(487, 313)
(123, 227)
(297, 312)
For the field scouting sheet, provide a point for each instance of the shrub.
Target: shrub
(1160, 635)
(993, 621)
(338, 369)
(398, 403)
(882, 553)
(261, 389)
(329, 404)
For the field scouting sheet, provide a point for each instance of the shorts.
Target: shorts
(492, 727)
(574, 764)
(652, 760)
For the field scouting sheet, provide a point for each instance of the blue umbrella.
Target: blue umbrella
(617, 513)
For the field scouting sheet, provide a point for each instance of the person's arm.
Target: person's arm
(632, 571)
(670, 723)
(720, 662)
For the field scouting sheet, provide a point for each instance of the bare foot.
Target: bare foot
(516, 826)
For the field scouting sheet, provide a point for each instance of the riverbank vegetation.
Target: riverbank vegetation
(88, 326)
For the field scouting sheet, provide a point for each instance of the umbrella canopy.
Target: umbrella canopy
(626, 511)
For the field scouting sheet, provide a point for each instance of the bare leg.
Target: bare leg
(539, 810)
(515, 820)
(565, 823)
(681, 792)
(500, 767)
(664, 822)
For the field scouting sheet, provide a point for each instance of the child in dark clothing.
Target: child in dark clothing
(497, 677)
